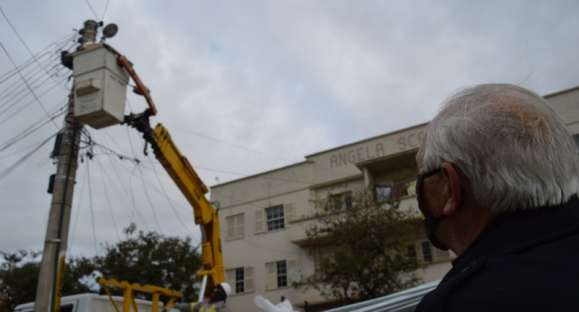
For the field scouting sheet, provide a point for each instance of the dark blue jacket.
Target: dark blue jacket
(524, 261)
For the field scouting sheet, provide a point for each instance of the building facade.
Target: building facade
(264, 217)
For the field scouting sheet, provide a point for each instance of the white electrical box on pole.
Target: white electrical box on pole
(100, 87)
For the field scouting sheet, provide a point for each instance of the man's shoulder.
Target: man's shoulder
(532, 278)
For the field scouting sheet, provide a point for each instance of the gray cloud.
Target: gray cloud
(272, 82)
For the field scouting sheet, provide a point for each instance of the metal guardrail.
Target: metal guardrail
(403, 301)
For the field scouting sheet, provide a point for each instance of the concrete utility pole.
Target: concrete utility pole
(55, 244)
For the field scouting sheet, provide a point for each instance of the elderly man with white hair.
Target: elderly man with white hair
(498, 182)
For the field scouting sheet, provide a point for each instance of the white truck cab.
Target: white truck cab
(88, 302)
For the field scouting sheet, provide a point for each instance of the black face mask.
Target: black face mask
(430, 222)
(430, 226)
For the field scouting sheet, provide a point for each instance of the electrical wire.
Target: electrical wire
(111, 211)
(105, 10)
(121, 188)
(8, 105)
(20, 109)
(33, 74)
(161, 190)
(60, 44)
(26, 83)
(20, 38)
(27, 71)
(32, 129)
(77, 210)
(129, 191)
(92, 214)
(148, 198)
(228, 143)
(168, 198)
(5, 172)
(96, 16)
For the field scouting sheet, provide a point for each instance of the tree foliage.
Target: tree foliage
(362, 248)
(19, 276)
(142, 257)
(150, 258)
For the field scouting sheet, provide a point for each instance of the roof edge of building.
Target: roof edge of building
(571, 89)
(367, 139)
(259, 174)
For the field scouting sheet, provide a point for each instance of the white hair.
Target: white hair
(512, 147)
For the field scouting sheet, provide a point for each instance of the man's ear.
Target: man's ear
(454, 189)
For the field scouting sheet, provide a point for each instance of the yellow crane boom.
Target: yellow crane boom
(185, 177)
(183, 174)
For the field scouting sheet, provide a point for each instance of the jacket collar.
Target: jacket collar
(522, 229)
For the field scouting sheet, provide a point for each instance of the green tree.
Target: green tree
(142, 257)
(151, 258)
(365, 246)
(18, 272)
(19, 276)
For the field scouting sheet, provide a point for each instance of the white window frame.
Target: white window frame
(235, 226)
(281, 274)
(276, 222)
(342, 200)
(233, 275)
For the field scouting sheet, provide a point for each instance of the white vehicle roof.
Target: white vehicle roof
(88, 302)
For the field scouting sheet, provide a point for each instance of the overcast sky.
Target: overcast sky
(248, 86)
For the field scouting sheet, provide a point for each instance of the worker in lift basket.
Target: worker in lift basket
(215, 302)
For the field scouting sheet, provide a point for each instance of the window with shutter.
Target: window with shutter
(290, 212)
(341, 200)
(230, 277)
(249, 280)
(241, 279)
(235, 226)
(271, 275)
(240, 226)
(259, 224)
(293, 272)
(230, 230)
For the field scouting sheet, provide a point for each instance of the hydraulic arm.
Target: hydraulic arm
(183, 174)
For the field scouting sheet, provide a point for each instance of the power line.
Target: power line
(4, 173)
(168, 198)
(105, 10)
(20, 37)
(19, 97)
(57, 44)
(111, 211)
(91, 209)
(96, 16)
(31, 129)
(147, 196)
(6, 110)
(227, 143)
(121, 189)
(26, 70)
(78, 206)
(26, 82)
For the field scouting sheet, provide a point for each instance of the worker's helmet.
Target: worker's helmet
(227, 288)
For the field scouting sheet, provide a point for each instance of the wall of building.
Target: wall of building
(379, 160)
